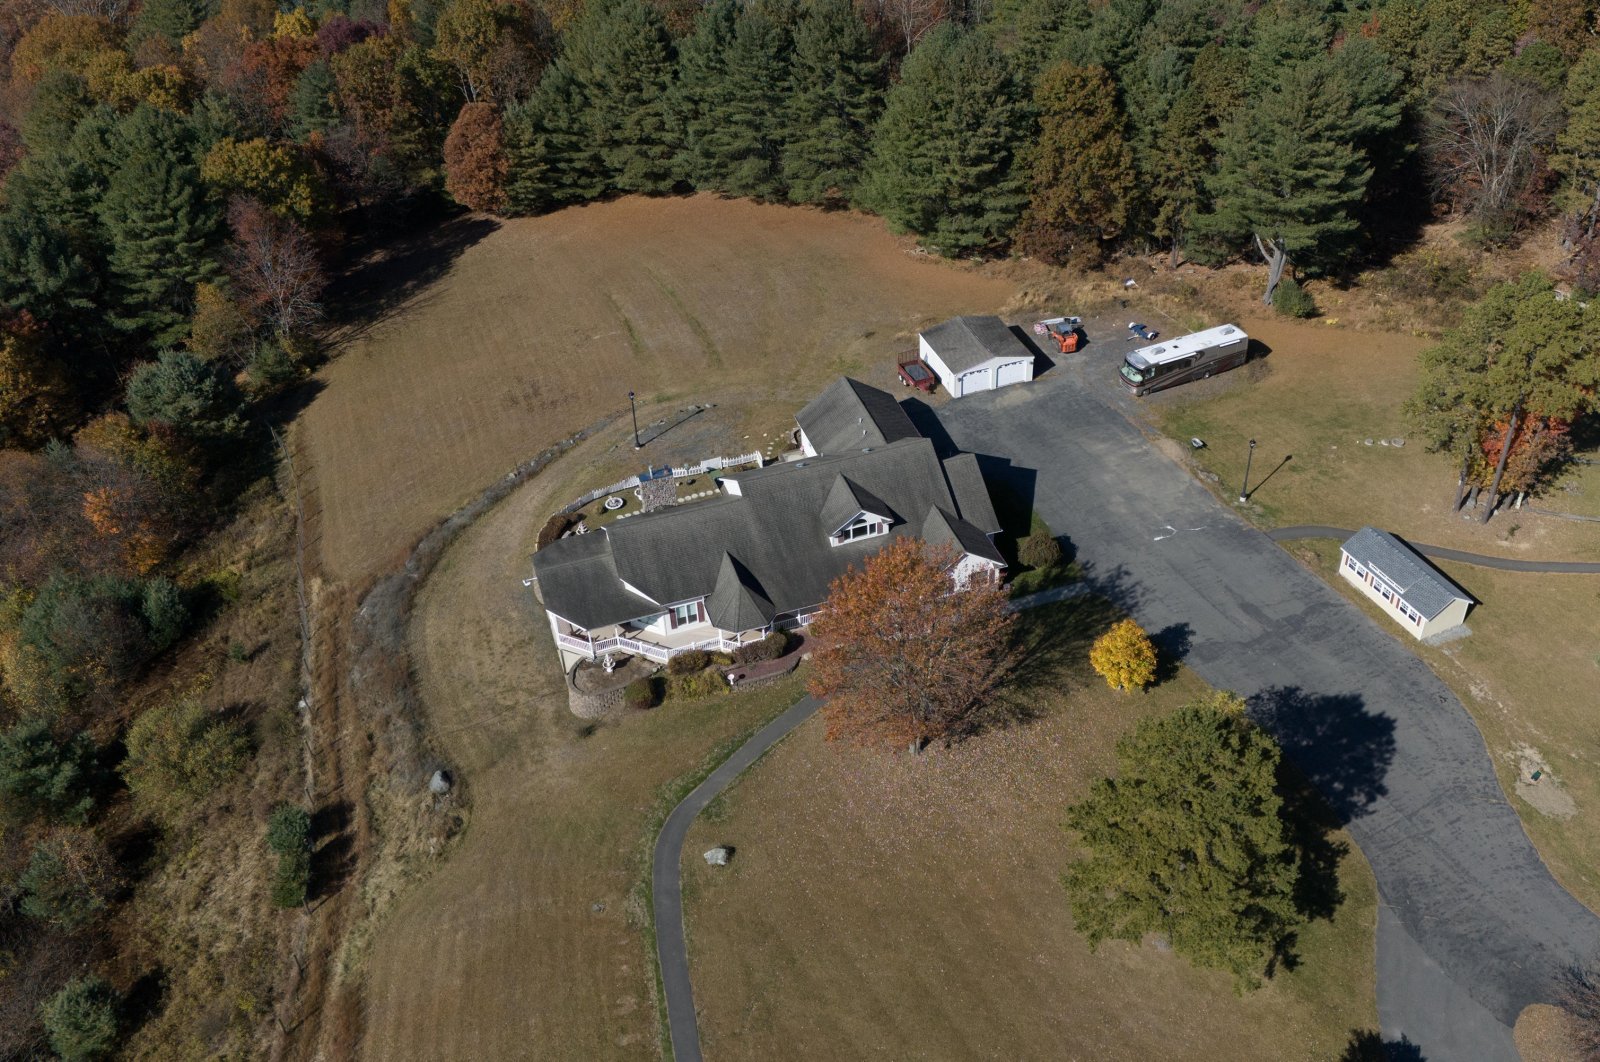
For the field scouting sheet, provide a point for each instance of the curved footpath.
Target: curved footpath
(666, 884)
(667, 860)
(1505, 564)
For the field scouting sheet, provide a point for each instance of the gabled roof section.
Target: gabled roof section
(847, 498)
(1423, 586)
(973, 503)
(850, 415)
(761, 552)
(944, 528)
(578, 582)
(964, 343)
(736, 603)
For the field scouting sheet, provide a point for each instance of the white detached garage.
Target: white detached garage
(971, 354)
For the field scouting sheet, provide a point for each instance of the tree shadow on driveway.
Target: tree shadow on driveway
(1343, 749)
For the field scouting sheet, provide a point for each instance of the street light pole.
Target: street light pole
(1244, 490)
(635, 411)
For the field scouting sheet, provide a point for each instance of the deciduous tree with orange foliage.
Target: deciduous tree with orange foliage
(1124, 656)
(903, 657)
(475, 163)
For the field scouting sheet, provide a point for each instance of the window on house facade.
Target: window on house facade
(1349, 562)
(683, 615)
(864, 526)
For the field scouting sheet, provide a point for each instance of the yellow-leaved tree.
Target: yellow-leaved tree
(1125, 657)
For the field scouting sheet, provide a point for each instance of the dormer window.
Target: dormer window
(865, 525)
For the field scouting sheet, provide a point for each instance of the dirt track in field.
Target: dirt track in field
(543, 324)
(527, 941)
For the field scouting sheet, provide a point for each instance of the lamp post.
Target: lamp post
(635, 411)
(1244, 490)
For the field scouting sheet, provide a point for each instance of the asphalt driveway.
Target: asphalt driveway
(1472, 926)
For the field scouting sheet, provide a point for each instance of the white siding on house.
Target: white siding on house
(805, 445)
(970, 566)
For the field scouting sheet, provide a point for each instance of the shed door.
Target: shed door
(975, 381)
(1012, 372)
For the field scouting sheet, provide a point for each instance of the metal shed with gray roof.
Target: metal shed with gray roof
(1418, 596)
(971, 354)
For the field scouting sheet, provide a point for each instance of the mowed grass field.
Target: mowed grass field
(544, 324)
(884, 906)
(1315, 400)
(530, 941)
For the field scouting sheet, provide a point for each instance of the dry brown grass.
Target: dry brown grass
(889, 906)
(1319, 396)
(1544, 1033)
(202, 924)
(548, 322)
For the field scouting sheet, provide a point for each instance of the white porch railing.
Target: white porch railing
(594, 647)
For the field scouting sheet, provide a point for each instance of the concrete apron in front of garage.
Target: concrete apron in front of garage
(1472, 927)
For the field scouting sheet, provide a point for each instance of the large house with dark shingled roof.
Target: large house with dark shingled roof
(718, 573)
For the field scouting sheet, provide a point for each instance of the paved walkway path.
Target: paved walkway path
(666, 884)
(1505, 564)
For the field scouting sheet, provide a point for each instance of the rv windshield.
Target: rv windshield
(1133, 375)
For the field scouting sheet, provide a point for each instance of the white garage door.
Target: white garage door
(974, 381)
(1012, 372)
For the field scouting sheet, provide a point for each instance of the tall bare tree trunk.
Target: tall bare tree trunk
(1500, 465)
(1276, 258)
(1461, 480)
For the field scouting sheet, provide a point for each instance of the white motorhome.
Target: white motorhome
(1191, 357)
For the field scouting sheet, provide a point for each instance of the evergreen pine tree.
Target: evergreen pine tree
(1111, 39)
(943, 154)
(621, 56)
(1288, 178)
(1190, 840)
(312, 106)
(1082, 179)
(552, 158)
(750, 141)
(159, 228)
(836, 94)
(60, 101)
(170, 19)
(1034, 34)
(41, 272)
(1577, 156)
(700, 96)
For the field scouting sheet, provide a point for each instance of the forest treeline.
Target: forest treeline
(179, 177)
(177, 172)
